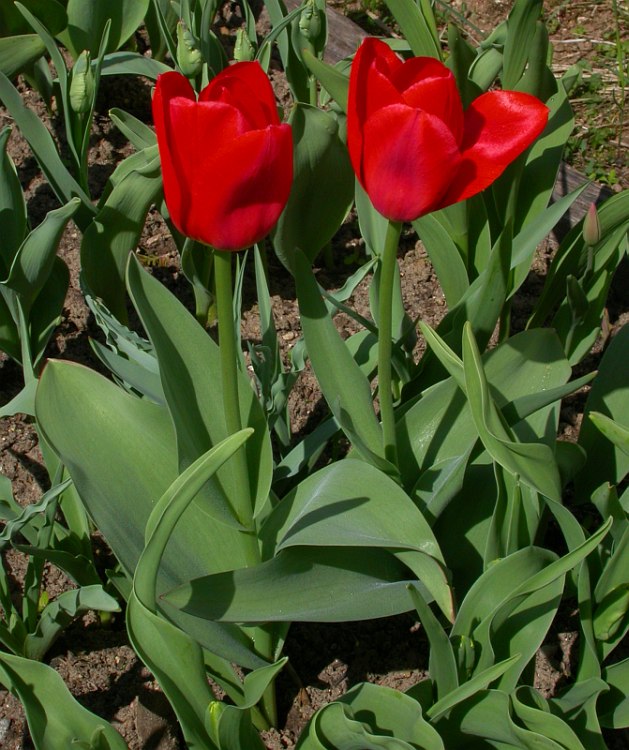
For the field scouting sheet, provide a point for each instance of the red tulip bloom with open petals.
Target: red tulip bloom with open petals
(227, 162)
(413, 147)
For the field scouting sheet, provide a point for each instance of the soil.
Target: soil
(96, 661)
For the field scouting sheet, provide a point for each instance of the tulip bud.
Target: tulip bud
(82, 84)
(310, 21)
(591, 227)
(189, 56)
(243, 49)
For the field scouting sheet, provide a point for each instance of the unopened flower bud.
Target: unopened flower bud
(243, 49)
(310, 21)
(82, 84)
(189, 56)
(591, 227)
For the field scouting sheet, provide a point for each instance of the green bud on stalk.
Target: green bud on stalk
(82, 84)
(592, 227)
(310, 22)
(243, 49)
(189, 56)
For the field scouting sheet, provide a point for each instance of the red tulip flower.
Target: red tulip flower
(413, 148)
(227, 162)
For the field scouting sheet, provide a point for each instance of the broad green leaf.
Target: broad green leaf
(609, 396)
(439, 429)
(578, 706)
(55, 718)
(50, 12)
(131, 63)
(190, 371)
(485, 719)
(613, 706)
(445, 258)
(393, 713)
(323, 185)
(12, 207)
(348, 504)
(116, 229)
(182, 676)
(615, 433)
(334, 724)
(344, 386)
(86, 22)
(442, 665)
(478, 682)
(521, 28)
(297, 584)
(532, 462)
(111, 428)
(462, 55)
(57, 615)
(33, 262)
(140, 134)
(231, 728)
(176, 660)
(534, 712)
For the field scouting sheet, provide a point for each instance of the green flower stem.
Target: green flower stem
(241, 502)
(385, 336)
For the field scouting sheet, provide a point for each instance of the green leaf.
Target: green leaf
(344, 386)
(231, 728)
(45, 151)
(615, 433)
(191, 378)
(116, 229)
(176, 660)
(19, 52)
(331, 78)
(348, 504)
(140, 134)
(532, 462)
(439, 427)
(55, 718)
(521, 28)
(613, 706)
(323, 185)
(469, 688)
(50, 12)
(57, 615)
(86, 22)
(296, 585)
(442, 665)
(111, 428)
(417, 24)
(609, 395)
(12, 207)
(445, 258)
(33, 262)
(131, 63)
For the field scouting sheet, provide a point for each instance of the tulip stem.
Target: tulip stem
(388, 262)
(241, 502)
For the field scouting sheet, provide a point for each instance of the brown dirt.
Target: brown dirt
(97, 663)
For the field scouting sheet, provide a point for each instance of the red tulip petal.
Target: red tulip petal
(499, 126)
(170, 86)
(408, 161)
(245, 86)
(427, 84)
(242, 191)
(198, 130)
(370, 89)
